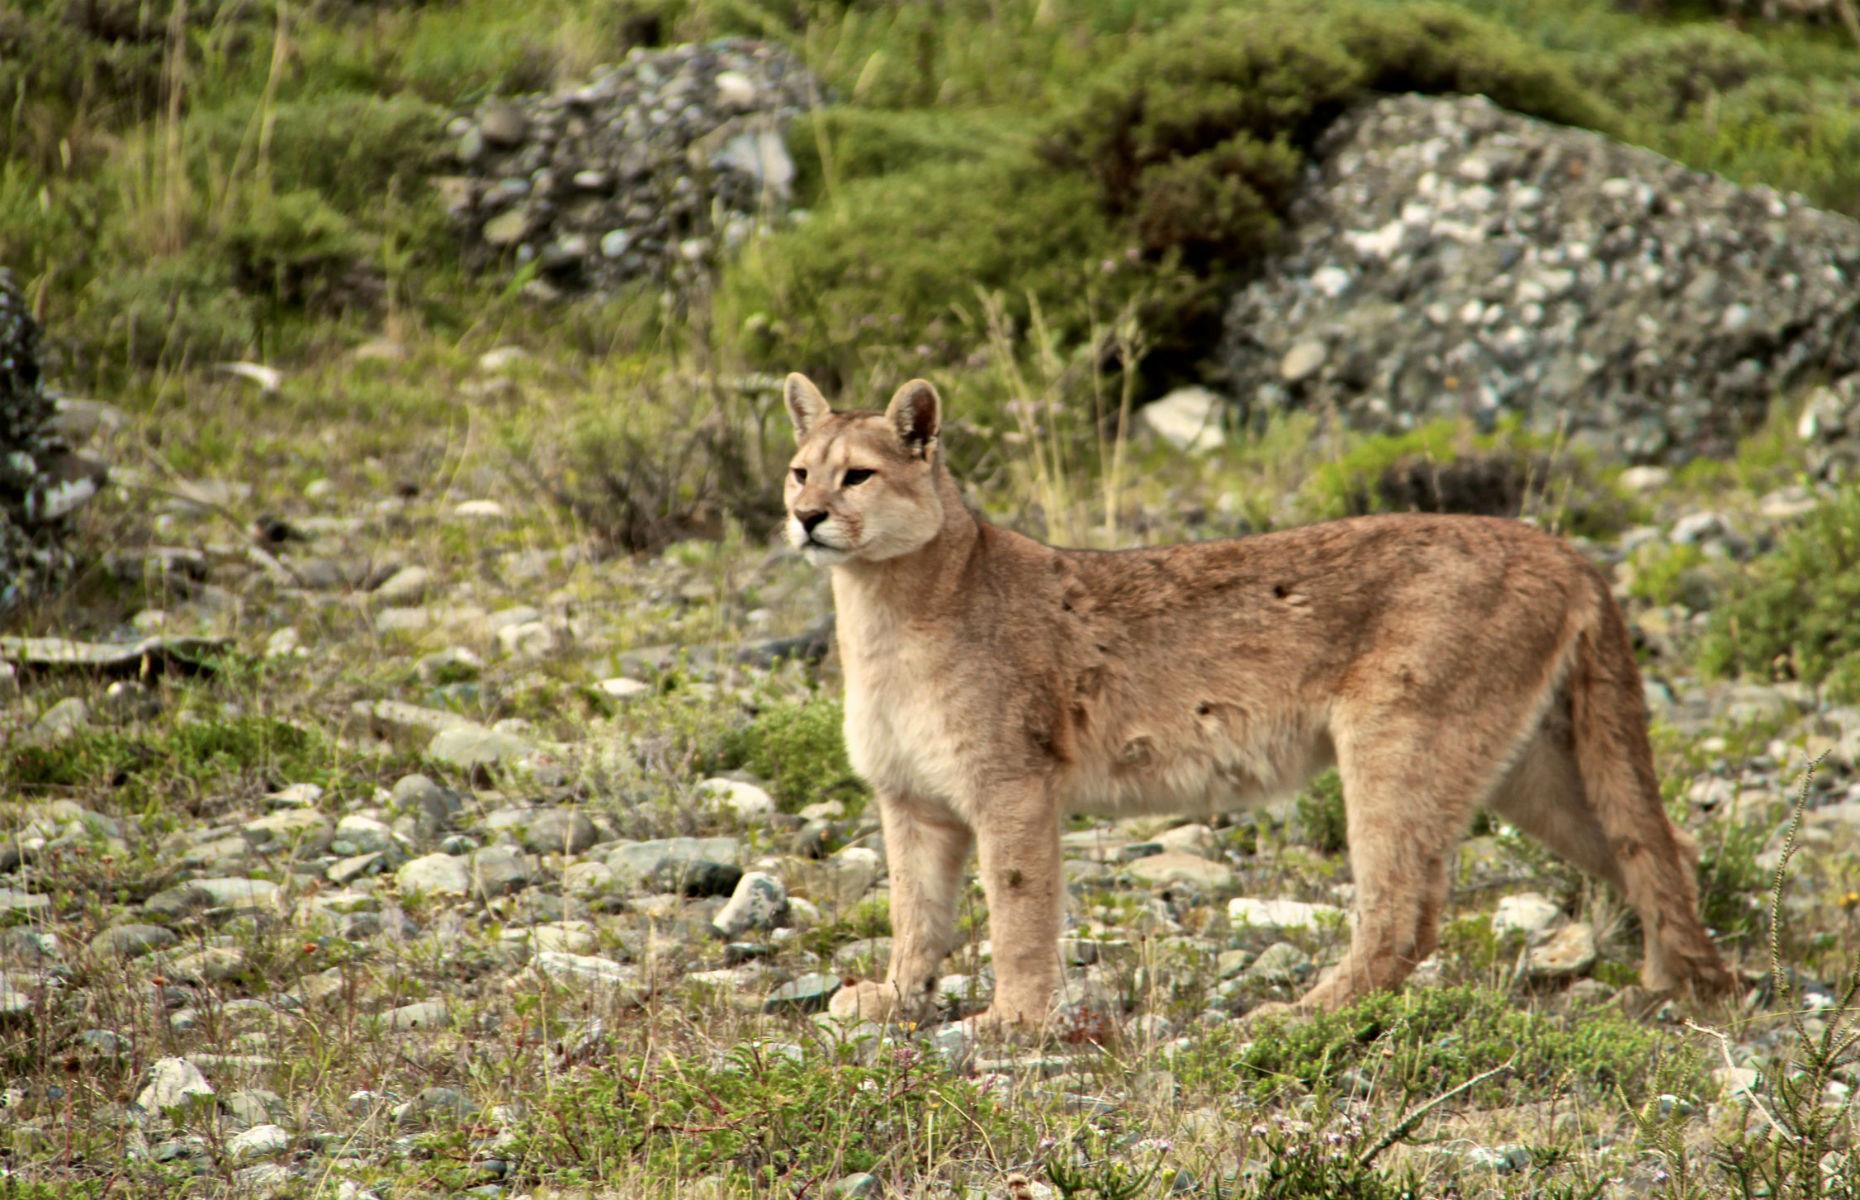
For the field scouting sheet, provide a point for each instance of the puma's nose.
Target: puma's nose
(811, 518)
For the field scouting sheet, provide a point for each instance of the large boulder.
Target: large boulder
(647, 171)
(1448, 257)
(41, 481)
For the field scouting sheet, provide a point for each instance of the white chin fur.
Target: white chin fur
(823, 556)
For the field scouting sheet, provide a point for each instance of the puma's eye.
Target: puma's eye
(855, 477)
(800, 474)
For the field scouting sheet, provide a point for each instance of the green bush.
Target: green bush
(1192, 137)
(171, 310)
(1320, 812)
(887, 276)
(844, 144)
(1419, 1041)
(1436, 48)
(1792, 615)
(293, 248)
(799, 751)
(1667, 75)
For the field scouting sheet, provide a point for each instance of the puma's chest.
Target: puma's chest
(903, 733)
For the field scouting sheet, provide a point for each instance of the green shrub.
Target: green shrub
(1192, 136)
(1419, 1041)
(799, 751)
(353, 148)
(171, 310)
(886, 277)
(844, 143)
(761, 1117)
(185, 761)
(1668, 74)
(293, 248)
(1792, 615)
(1436, 48)
(1320, 813)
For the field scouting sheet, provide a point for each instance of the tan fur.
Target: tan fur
(994, 684)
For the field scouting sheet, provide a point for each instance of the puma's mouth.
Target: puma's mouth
(822, 554)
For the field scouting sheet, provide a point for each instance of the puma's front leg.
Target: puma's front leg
(926, 848)
(1017, 831)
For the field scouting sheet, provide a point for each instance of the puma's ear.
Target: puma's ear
(806, 406)
(916, 412)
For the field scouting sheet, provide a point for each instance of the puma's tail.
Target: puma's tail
(1658, 862)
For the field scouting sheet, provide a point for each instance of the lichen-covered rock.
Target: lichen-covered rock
(1448, 257)
(41, 482)
(645, 172)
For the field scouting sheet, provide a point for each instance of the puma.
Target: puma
(995, 684)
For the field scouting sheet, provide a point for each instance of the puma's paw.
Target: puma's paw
(865, 1000)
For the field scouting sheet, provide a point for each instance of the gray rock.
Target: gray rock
(14, 901)
(174, 1083)
(62, 719)
(440, 874)
(260, 1141)
(1527, 913)
(501, 869)
(558, 831)
(1188, 418)
(474, 747)
(1279, 963)
(1174, 866)
(252, 1106)
(131, 940)
(858, 1186)
(422, 1014)
(602, 183)
(747, 801)
(695, 866)
(809, 993)
(112, 658)
(587, 969)
(1568, 952)
(1460, 260)
(406, 586)
(1276, 916)
(759, 902)
(234, 893)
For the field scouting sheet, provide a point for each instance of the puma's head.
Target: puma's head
(862, 486)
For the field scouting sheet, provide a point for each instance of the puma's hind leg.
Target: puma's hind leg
(1646, 859)
(1407, 799)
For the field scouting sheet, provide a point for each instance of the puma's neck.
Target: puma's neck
(873, 597)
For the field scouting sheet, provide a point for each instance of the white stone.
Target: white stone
(442, 874)
(746, 800)
(174, 1083)
(622, 688)
(500, 358)
(1188, 418)
(1279, 915)
(1567, 952)
(1178, 866)
(260, 1141)
(1527, 913)
(489, 510)
(405, 586)
(759, 902)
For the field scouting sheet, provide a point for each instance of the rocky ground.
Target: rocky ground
(423, 851)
